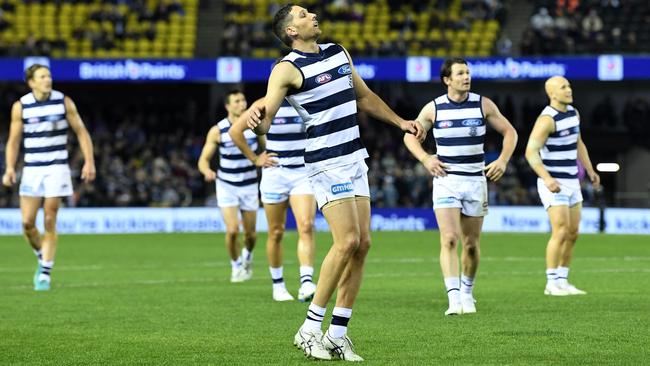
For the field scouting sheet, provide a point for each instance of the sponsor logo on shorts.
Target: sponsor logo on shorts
(26, 189)
(272, 196)
(323, 78)
(445, 124)
(345, 69)
(561, 198)
(445, 200)
(471, 122)
(342, 188)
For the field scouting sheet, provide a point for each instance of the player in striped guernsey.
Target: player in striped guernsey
(553, 149)
(321, 83)
(283, 184)
(41, 119)
(459, 120)
(236, 184)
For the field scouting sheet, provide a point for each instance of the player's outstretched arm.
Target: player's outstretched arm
(370, 103)
(544, 126)
(88, 172)
(209, 148)
(236, 132)
(497, 168)
(13, 144)
(430, 162)
(284, 76)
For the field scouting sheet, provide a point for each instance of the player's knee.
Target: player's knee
(28, 226)
(364, 245)
(305, 227)
(49, 222)
(449, 240)
(232, 233)
(471, 247)
(349, 245)
(276, 233)
(572, 236)
(560, 232)
(250, 236)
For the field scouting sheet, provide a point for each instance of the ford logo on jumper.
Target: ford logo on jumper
(323, 78)
(342, 188)
(471, 122)
(345, 69)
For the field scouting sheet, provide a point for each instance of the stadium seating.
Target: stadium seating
(378, 27)
(100, 28)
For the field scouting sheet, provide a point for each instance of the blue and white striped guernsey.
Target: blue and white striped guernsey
(287, 137)
(327, 104)
(45, 130)
(459, 130)
(234, 167)
(560, 152)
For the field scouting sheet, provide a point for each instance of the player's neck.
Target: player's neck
(559, 106)
(456, 96)
(39, 96)
(306, 47)
(232, 118)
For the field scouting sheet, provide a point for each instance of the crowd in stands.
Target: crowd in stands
(588, 27)
(374, 27)
(146, 150)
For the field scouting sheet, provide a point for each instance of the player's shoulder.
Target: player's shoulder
(57, 95)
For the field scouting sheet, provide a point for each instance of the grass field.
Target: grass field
(166, 300)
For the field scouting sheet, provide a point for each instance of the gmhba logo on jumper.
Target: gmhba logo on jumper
(342, 188)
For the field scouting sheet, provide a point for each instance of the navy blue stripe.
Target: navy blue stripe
(47, 163)
(50, 133)
(315, 320)
(43, 103)
(315, 314)
(336, 125)
(278, 280)
(233, 156)
(246, 182)
(467, 174)
(292, 166)
(563, 162)
(460, 141)
(563, 175)
(286, 136)
(458, 106)
(562, 115)
(288, 153)
(328, 76)
(563, 133)
(340, 320)
(331, 101)
(462, 159)
(334, 151)
(455, 123)
(32, 150)
(238, 170)
(311, 58)
(568, 147)
(48, 118)
(224, 130)
(453, 289)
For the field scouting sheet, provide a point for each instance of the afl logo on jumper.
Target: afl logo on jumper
(345, 69)
(323, 78)
(280, 121)
(445, 124)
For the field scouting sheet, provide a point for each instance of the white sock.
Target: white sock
(306, 274)
(46, 269)
(339, 325)
(39, 254)
(276, 277)
(247, 255)
(235, 264)
(562, 275)
(453, 289)
(551, 276)
(315, 315)
(466, 285)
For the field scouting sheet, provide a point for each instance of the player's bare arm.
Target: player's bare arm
(284, 76)
(88, 172)
(209, 148)
(370, 103)
(13, 144)
(583, 156)
(498, 122)
(431, 163)
(543, 127)
(236, 132)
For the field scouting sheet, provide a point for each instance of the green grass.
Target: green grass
(166, 300)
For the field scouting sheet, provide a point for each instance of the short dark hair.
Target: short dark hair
(30, 71)
(226, 98)
(280, 20)
(445, 70)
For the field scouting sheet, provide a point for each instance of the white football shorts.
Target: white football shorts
(468, 194)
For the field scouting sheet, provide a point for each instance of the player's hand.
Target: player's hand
(255, 117)
(434, 166)
(495, 170)
(552, 184)
(266, 160)
(595, 179)
(210, 175)
(415, 129)
(9, 178)
(88, 172)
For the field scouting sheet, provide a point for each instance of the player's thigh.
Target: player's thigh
(343, 219)
(575, 213)
(303, 207)
(363, 209)
(249, 219)
(29, 208)
(448, 221)
(230, 216)
(471, 228)
(559, 217)
(276, 214)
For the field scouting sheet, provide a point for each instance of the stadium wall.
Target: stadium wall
(205, 219)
